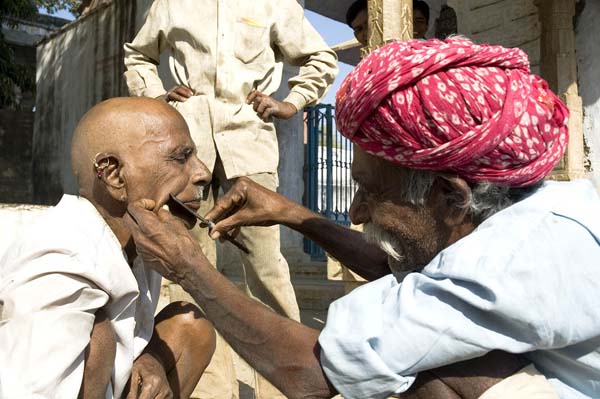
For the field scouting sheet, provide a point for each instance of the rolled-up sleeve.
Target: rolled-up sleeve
(142, 55)
(483, 293)
(301, 45)
(44, 333)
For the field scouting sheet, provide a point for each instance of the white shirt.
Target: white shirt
(526, 280)
(65, 266)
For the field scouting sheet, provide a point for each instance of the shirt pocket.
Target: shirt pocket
(251, 39)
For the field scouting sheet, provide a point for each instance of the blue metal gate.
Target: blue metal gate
(329, 184)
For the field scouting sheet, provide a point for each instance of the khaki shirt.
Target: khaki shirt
(222, 49)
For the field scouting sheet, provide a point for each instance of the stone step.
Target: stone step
(315, 294)
(315, 270)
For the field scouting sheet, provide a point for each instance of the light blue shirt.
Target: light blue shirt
(526, 280)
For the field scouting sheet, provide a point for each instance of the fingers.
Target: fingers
(264, 105)
(260, 102)
(226, 205)
(176, 97)
(265, 108)
(226, 215)
(150, 388)
(180, 93)
(145, 203)
(266, 114)
(253, 94)
(134, 384)
(140, 214)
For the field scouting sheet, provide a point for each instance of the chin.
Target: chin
(399, 265)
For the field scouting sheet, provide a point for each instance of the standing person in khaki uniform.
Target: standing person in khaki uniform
(226, 57)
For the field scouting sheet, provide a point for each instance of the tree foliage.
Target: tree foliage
(52, 6)
(11, 74)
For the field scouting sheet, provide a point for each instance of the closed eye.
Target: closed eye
(181, 155)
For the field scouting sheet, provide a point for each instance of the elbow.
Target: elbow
(304, 383)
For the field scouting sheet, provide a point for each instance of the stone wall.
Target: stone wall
(16, 130)
(506, 22)
(78, 66)
(588, 67)
(16, 122)
(516, 24)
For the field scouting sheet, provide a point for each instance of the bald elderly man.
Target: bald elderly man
(471, 255)
(78, 304)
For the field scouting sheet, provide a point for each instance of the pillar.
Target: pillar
(558, 65)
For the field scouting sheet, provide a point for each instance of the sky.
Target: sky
(332, 31)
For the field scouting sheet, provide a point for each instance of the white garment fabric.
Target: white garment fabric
(526, 280)
(527, 383)
(55, 275)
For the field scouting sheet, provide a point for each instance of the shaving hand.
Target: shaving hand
(180, 209)
(248, 204)
(162, 240)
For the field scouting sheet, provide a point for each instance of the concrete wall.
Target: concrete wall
(79, 66)
(588, 66)
(16, 131)
(16, 123)
(511, 23)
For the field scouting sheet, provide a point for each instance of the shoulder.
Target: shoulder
(554, 227)
(68, 238)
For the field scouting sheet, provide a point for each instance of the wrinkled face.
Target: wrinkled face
(164, 162)
(360, 25)
(420, 24)
(410, 234)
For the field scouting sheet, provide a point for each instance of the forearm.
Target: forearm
(345, 245)
(314, 79)
(282, 350)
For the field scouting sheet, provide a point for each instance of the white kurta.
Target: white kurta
(55, 275)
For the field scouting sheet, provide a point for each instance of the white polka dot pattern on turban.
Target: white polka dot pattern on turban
(452, 105)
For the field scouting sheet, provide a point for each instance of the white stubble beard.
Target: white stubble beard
(388, 244)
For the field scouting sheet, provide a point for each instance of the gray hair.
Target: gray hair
(486, 198)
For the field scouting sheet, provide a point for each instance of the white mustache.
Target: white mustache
(199, 197)
(383, 239)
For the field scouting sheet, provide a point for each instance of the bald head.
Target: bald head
(117, 126)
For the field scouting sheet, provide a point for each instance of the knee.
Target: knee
(189, 320)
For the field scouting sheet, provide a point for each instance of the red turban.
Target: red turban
(453, 105)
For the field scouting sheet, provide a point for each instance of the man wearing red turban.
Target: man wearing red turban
(470, 254)
(453, 105)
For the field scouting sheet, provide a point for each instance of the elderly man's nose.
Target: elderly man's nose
(359, 211)
(202, 175)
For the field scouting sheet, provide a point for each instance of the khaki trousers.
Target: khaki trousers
(266, 277)
(528, 383)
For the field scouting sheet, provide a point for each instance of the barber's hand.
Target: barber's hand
(177, 93)
(163, 241)
(247, 204)
(266, 106)
(148, 379)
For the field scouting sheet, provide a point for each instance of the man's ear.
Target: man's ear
(108, 169)
(451, 196)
